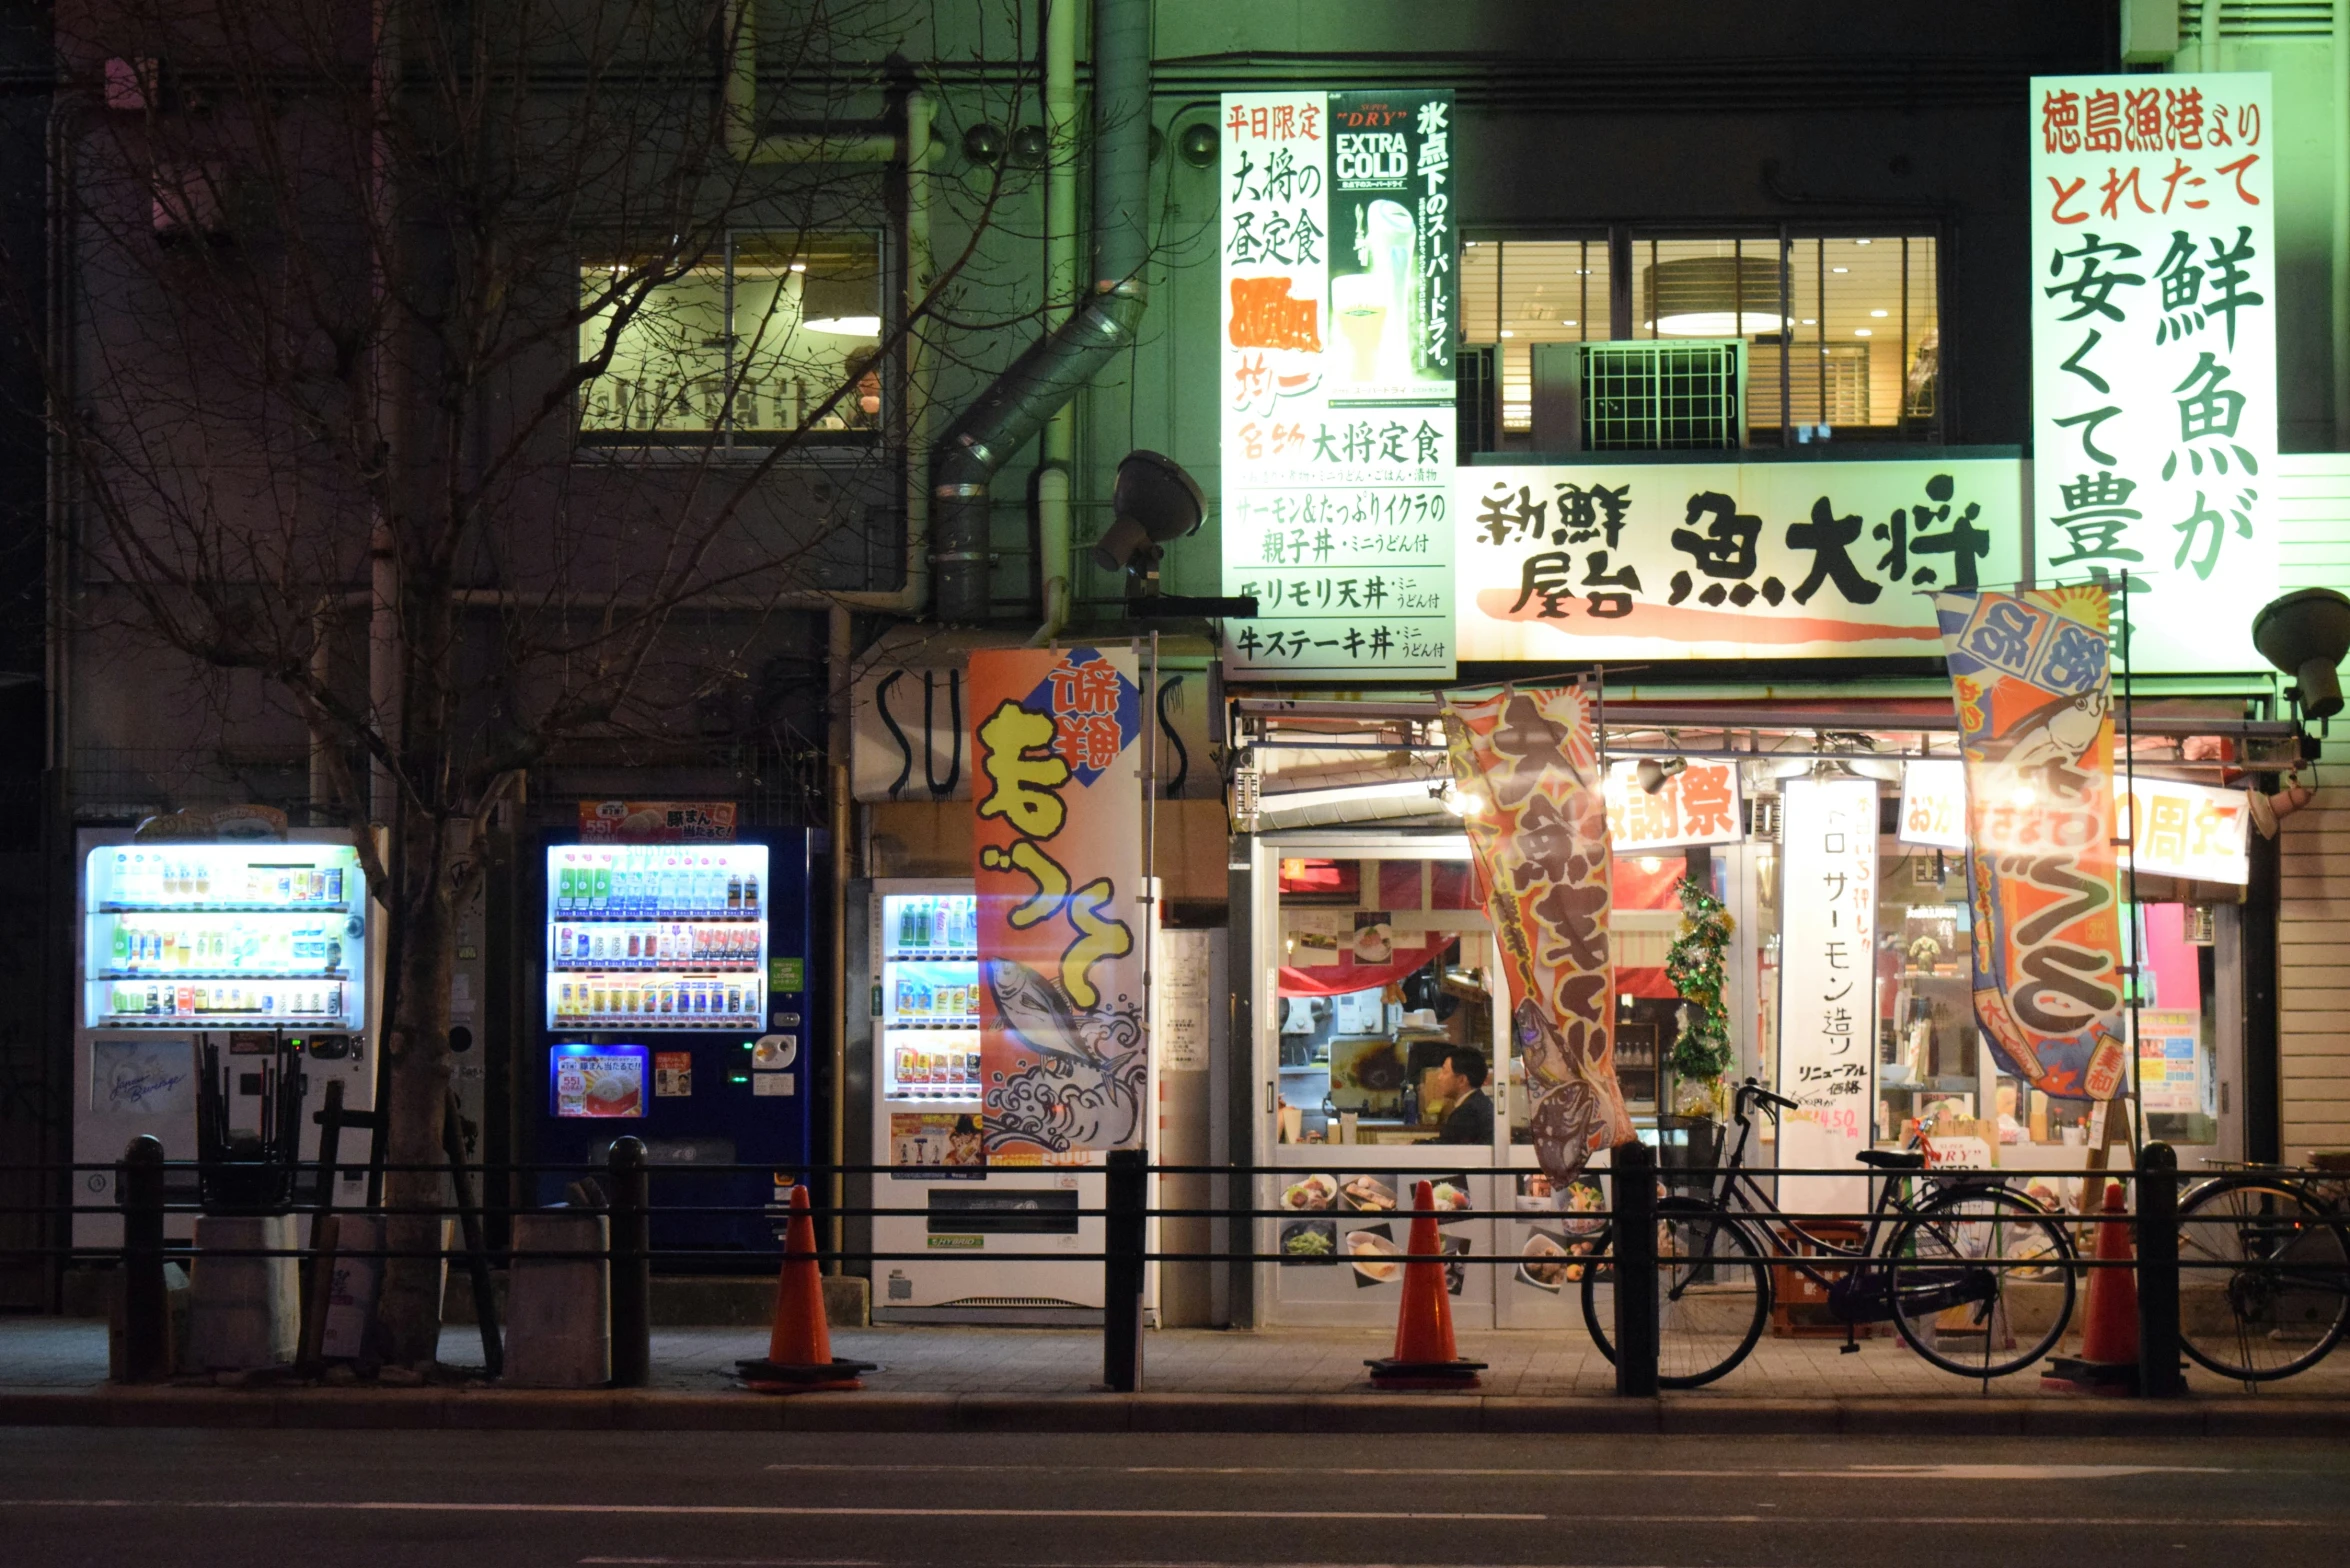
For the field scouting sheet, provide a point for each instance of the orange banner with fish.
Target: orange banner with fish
(2033, 677)
(1537, 822)
(1057, 856)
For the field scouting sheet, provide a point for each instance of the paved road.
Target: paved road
(554, 1500)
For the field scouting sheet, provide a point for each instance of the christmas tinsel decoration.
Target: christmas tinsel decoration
(1702, 1052)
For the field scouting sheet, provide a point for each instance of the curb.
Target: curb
(350, 1410)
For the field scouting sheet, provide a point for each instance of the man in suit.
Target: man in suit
(1461, 1083)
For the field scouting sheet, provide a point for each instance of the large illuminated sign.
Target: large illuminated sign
(2154, 297)
(1336, 382)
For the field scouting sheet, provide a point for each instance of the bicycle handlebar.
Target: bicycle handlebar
(1752, 1089)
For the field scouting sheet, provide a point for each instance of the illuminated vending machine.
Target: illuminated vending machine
(239, 945)
(677, 1011)
(929, 1127)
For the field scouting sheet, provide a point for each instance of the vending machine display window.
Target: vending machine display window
(264, 934)
(930, 1000)
(657, 936)
(599, 1081)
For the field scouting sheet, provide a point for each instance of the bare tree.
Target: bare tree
(440, 375)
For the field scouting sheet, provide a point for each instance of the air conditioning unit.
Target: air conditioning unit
(1640, 395)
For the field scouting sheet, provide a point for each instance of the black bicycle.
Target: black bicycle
(1977, 1277)
(2264, 1275)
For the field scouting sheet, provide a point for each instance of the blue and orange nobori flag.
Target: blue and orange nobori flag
(1056, 798)
(2033, 677)
(1539, 829)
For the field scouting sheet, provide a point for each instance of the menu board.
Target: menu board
(599, 1080)
(1336, 382)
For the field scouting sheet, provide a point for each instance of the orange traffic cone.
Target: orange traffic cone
(2108, 1362)
(799, 1347)
(1425, 1356)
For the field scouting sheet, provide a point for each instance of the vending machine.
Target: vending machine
(236, 944)
(929, 1127)
(678, 1010)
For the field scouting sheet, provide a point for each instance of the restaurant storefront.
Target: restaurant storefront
(1373, 966)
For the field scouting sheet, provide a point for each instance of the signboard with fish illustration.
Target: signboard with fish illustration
(1057, 802)
(2033, 679)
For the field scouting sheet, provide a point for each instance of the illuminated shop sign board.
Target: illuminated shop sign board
(2154, 297)
(1776, 560)
(1933, 805)
(2193, 831)
(1335, 378)
(1699, 805)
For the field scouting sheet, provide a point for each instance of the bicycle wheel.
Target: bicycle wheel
(1982, 1281)
(1709, 1314)
(2264, 1279)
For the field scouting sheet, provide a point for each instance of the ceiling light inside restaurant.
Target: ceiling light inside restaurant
(1712, 296)
(1880, 314)
(1839, 269)
(1862, 332)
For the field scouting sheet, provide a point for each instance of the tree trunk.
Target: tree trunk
(416, 1082)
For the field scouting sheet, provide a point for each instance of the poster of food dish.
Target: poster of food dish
(1309, 1241)
(600, 1080)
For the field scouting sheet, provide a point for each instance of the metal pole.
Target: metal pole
(477, 1261)
(2158, 1273)
(146, 1318)
(1634, 1180)
(632, 1267)
(1122, 1260)
(2137, 931)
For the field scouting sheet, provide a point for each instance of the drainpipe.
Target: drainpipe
(2341, 246)
(1053, 529)
(1012, 411)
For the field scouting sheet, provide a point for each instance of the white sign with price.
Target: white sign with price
(1827, 987)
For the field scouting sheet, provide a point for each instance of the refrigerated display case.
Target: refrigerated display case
(676, 1009)
(240, 944)
(930, 1128)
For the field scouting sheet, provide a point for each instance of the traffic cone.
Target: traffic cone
(799, 1346)
(2108, 1362)
(1425, 1356)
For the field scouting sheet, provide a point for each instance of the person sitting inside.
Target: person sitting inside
(1461, 1082)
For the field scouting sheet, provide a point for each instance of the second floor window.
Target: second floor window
(742, 349)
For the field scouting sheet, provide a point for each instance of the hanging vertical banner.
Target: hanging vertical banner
(2034, 685)
(1336, 382)
(1827, 986)
(1057, 857)
(1540, 835)
(2154, 385)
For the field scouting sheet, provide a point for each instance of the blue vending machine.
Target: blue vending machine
(677, 1010)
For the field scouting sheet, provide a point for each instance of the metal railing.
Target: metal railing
(1624, 1245)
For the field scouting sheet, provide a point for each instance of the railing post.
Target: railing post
(1127, 1204)
(2158, 1273)
(1634, 1235)
(632, 1266)
(146, 1312)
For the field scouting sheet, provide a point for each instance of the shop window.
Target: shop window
(1843, 333)
(1385, 995)
(747, 347)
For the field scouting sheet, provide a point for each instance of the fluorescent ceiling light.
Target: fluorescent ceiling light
(1880, 314)
(846, 326)
(1350, 794)
(1862, 332)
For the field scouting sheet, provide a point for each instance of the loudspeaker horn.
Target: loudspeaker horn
(2305, 634)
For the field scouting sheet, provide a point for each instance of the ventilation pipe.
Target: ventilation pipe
(1011, 412)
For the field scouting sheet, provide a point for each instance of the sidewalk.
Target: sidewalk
(52, 1372)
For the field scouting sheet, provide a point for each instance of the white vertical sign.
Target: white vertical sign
(2154, 386)
(1827, 986)
(1933, 804)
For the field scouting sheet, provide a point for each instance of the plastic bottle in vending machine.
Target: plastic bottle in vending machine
(734, 893)
(750, 892)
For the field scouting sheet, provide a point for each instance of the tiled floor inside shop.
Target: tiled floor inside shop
(61, 1355)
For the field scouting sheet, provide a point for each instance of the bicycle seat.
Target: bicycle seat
(1893, 1159)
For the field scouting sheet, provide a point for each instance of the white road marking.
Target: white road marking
(1848, 1473)
(760, 1510)
(769, 1511)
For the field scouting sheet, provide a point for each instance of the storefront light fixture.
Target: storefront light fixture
(1652, 772)
(1460, 802)
(1341, 795)
(1712, 296)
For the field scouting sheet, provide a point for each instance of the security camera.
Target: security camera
(2305, 635)
(1153, 502)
